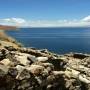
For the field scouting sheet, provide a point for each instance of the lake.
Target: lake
(58, 40)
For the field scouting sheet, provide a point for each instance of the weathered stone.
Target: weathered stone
(22, 58)
(5, 62)
(31, 58)
(20, 68)
(80, 55)
(3, 53)
(42, 59)
(58, 73)
(35, 69)
(44, 50)
(24, 74)
(13, 71)
(56, 63)
(45, 72)
(10, 48)
(3, 70)
(49, 67)
(50, 79)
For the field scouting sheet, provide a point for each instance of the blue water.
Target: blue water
(58, 40)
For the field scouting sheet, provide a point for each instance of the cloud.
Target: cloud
(59, 23)
(84, 22)
(14, 21)
(86, 19)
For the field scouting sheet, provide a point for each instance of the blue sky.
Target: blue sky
(39, 10)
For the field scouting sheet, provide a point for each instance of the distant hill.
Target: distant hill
(6, 27)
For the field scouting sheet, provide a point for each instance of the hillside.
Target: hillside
(6, 40)
(5, 27)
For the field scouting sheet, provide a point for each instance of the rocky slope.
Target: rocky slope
(31, 69)
(5, 40)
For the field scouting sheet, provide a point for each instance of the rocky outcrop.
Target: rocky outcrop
(32, 69)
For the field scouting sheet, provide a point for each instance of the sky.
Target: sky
(45, 13)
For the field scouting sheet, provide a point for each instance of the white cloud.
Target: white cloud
(59, 23)
(18, 20)
(46, 23)
(86, 19)
(15, 20)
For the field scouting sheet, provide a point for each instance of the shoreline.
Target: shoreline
(32, 69)
(4, 38)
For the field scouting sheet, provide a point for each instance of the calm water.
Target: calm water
(59, 40)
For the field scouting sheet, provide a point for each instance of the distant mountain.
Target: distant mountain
(5, 27)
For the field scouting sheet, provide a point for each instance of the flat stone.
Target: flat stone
(22, 58)
(57, 72)
(5, 62)
(42, 59)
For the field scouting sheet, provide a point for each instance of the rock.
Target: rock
(13, 72)
(49, 67)
(42, 59)
(20, 68)
(24, 74)
(50, 79)
(39, 80)
(10, 48)
(31, 58)
(56, 63)
(35, 69)
(22, 58)
(44, 50)
(3, 53)
(49, 87)
(19, 72)
(83, 78)
(5, 62)
(24, 85)
(58, 73)
(3, 70)
(79, 55)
